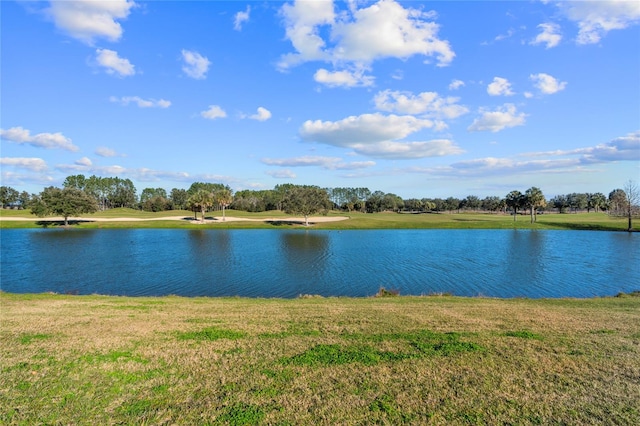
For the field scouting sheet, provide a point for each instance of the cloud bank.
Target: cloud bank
(39, 140)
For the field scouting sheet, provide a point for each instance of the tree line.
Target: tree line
(104, 193)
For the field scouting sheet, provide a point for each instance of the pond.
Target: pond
(289, 263)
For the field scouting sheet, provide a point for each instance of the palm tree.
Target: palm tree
(514, 200)
(223, 197)
(201, 199)
(534, 198)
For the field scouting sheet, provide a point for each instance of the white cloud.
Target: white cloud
(596, 18)
(281, 174)
(213, 112)
(114, 64)
(493, 166)
(499, 87)
(87, 20)
(547, 84)
(624, 148)
(141, 174)
(107, 152)
(263, 114)
(240, 18)
(329, 163)
(12, 178)
(386, 29)
(550, 35)
(33, 164)
(343, 78)
(494, 121)
(362, 129)
(430, 104)
(377, 135)
(84, 161)
(456, 84)
(302, 19)
(360, 36)
(397, 75)
(195, 65)
(40, 140)
(408, 150)
(142, 103)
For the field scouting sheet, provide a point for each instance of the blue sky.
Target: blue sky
(421, 99)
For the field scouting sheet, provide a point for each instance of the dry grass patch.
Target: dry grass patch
(411, 360)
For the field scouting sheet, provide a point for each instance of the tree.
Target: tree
(439, 204)
(577, 201)
(75, 181)
(374, 202)
(491, 203)
(596, 201)
(63, 202)
(149, 193)
(178, 198)
(255, 201)
(281, 192)
(8, 196)
(223, 198)
(306, 200)
(514, 199)
(617, 201)
(534, 198)
(413, 205)
(109, 192)
(560, 202)
(155, 204)
(452, 204)
(471, 202)
(201, 200)
(24, 199)
(392, 202)
(428, 204)
(122, 193)
(633, 199)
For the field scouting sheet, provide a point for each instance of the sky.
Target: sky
(420, 99)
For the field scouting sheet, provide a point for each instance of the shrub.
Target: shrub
(383, 292)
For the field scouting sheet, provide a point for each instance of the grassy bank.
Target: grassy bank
(581, 221)
(392, 360)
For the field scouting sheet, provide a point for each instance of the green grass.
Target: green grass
(393, 360)
(211, 333)
(580, 221)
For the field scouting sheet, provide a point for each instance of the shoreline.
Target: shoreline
(379, 295)
(214, 219)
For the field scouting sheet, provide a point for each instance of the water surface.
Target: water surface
(288, 263)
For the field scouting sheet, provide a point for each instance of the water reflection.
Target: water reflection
(524, 261)
(283, 263)
(210, 262)
(305, 260)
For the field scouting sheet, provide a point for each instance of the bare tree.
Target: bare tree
(633, 200)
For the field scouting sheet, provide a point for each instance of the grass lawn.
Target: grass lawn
(580, 221)
(388, 360)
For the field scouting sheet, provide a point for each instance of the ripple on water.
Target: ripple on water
(287, 263)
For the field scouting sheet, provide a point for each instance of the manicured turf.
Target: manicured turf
(387, 360)
(580, 221)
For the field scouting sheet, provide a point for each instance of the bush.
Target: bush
(383, 292)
